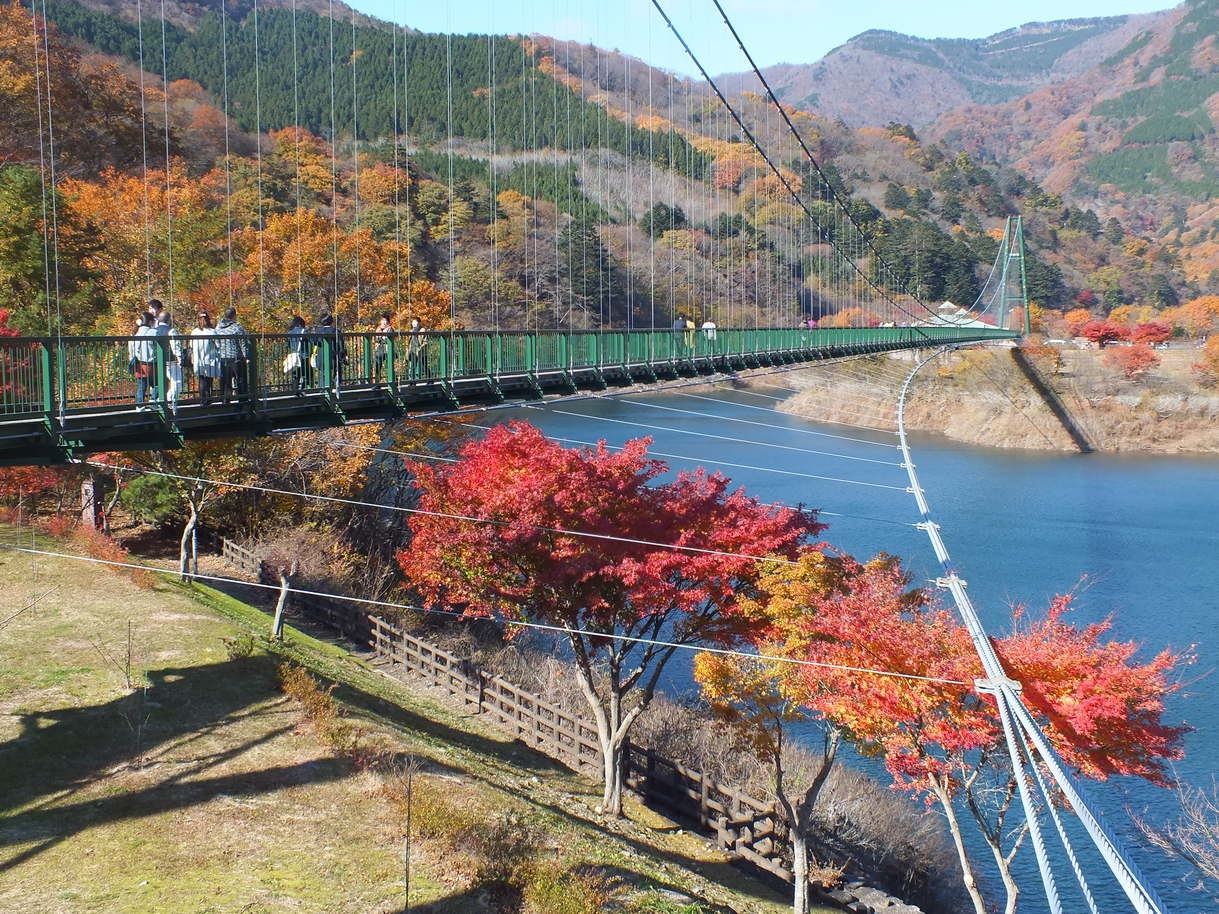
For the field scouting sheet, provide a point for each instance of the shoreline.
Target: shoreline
(978, 397)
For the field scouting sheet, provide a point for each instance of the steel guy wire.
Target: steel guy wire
(770, 425)
(334, 499)
(515, 623)
(617, 447)
(784, 447)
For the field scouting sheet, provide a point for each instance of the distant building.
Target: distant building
(948, 313)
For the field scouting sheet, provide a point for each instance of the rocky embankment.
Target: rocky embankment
(980, 397)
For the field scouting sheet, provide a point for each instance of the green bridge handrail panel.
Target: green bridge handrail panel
(49, 385)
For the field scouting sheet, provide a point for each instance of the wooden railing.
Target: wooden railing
(530, 719)
(756, 832)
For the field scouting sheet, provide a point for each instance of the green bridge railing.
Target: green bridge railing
(61, 396)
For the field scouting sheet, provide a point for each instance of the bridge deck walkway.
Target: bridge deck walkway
(61, 398)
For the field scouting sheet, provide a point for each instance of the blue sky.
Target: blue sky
(775, 31)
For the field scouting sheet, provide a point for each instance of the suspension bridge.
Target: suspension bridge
(68, 397)
(777, 302)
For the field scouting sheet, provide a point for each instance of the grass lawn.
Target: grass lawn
(150, 763)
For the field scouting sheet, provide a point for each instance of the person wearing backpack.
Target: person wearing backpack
(234, 345)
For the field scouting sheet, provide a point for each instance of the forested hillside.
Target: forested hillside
(1134, 138)
(493, 182)
(881, 76)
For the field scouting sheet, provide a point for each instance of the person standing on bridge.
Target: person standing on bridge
(205, 356)
(171, 346)
(296, 364)
(142, 360)
(416, 340)
(380, 348)
(330, 351)
(234, 345)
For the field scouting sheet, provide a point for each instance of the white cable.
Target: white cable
(618, 447)
(534, 626)
(587, 534)
(784, 447)
(773, 427)
(785, 428)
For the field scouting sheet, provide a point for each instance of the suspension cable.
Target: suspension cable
(513, 623)
(792, 192)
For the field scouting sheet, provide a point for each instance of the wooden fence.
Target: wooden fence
(530, 719)
(345, 618)
(752, 830)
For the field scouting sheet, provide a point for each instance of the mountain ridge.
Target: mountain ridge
(881, 76)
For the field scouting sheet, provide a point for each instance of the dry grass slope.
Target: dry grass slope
(184, 780)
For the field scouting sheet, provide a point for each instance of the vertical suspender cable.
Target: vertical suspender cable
(297, 129)
(630, 190)
(355, 179)
(47, 161)
(492, 195)
(651, 211)
(452, 233)
(148, 286)
(42, 100)
(262, 272)
(406, 134)
(228, 159)
(169, 215)
(334, 170)
(396, 139)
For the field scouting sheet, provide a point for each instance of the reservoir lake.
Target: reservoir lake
(1135, 538)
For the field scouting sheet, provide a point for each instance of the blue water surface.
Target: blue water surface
(1135, 538)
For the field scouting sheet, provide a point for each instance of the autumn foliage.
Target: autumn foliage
(1103, 332)
(591, 541)
(1132, 361)
(847, 644)
(1152, 332)
(1103, 708)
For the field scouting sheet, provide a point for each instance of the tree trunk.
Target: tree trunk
(800, 814)
(1005, 871)
(188, 533)
(612, 727)
(611, 760)
(799, 872)
(108, 510)
(954, 827)
(277, 625)
(90, 507)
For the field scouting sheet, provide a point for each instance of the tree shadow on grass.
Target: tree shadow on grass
(61, 751)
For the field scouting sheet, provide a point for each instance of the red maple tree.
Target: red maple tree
(1100, 707)
(1103, 332)
(591, 541)
(1132, 361)
(812, 615)
(1151, 332)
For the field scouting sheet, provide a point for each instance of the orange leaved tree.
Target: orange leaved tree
(805, 616)
(590, 541)
(1100, 708)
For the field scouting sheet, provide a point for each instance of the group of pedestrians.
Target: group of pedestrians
(222, 353)
(687, 327)
(219, 352)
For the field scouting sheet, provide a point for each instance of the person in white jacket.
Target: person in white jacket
(205, 356)
(171, 344)
(142, 360)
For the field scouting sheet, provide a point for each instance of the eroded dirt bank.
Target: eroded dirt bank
(980, 397)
